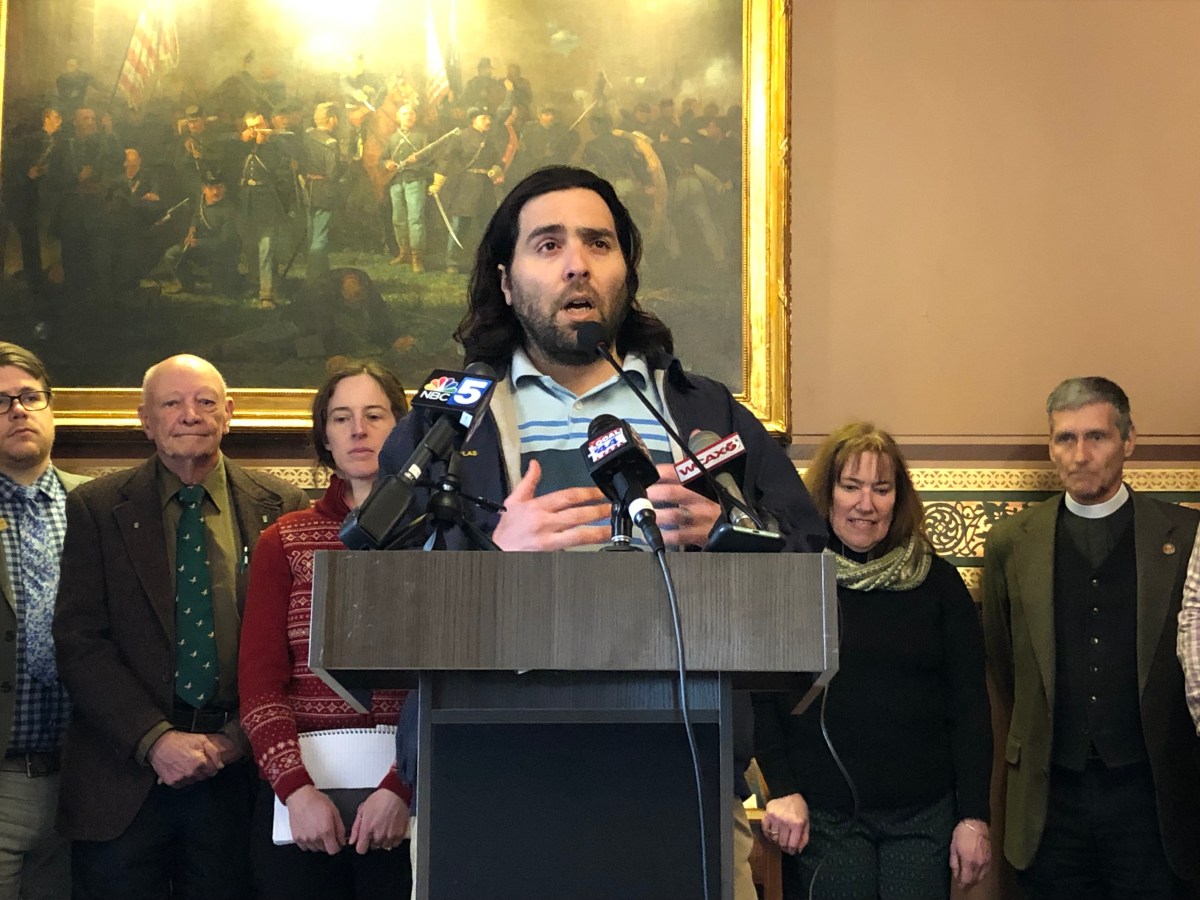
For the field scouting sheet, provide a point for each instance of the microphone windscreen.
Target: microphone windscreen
(701, 439)
(589, 336)
(602, 423)
(482, 369)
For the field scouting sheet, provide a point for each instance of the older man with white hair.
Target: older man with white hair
(157, 783)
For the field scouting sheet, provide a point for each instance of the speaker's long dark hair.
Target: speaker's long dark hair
(490, 331)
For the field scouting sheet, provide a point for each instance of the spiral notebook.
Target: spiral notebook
(344, 763)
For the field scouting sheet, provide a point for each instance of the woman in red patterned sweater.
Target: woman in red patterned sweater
(353, 412)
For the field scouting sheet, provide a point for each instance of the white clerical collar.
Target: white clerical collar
(1098, 510)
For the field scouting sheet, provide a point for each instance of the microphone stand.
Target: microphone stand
(622, 531)
(446, 510)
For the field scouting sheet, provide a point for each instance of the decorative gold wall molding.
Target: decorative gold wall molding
(1044, 480)
(972, 577)
(961, 505)
(308, 478)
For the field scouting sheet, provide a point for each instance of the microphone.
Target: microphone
(462, 398)
(724, 457)
(591, 337)
(620, 464)
(725, 537)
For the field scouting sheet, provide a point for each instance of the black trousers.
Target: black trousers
(190, 843)
(288, 873)
(1101, 840)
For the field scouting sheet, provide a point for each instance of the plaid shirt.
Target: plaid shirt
(41, 711)
(1189, 633)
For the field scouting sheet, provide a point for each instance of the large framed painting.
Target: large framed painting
(277, 185)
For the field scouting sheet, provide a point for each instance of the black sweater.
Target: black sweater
(907, 712)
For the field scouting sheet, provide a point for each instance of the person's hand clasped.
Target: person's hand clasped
(785, 822)
(554, 521)
(970, 852)
(316, 823)
(381, 822)
(180, 758)
(225, 748)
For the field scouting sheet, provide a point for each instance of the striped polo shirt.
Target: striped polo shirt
(553, 422)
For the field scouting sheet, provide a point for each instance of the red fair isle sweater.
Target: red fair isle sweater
(281, 697)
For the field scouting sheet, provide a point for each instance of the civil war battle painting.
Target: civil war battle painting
(274, 185)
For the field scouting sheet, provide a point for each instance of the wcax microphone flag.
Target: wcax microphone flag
(713, 452)
(725, 459)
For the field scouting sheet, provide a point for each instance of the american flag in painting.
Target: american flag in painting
(437, 85)
(153, 47)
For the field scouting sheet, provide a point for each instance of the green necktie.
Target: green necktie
(195, 633)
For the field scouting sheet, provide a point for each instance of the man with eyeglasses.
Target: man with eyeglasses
(34, 860)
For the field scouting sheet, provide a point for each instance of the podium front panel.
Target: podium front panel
(379, 618)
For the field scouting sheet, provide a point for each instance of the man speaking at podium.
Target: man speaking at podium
(562, 251)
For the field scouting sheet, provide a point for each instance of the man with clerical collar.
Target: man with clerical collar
(157, 779)
(1080, 601)
(35, 861)
(561, 251)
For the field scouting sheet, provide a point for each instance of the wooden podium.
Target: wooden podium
(552, 758)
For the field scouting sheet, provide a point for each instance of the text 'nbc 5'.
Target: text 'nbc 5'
(453, 390)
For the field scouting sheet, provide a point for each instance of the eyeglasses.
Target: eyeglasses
(31, 401)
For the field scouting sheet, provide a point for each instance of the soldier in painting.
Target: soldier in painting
(263, 195)
(545, 141)
(197, 153)
(29, 206)
(469, 171)
(614, 158)
(81, 175)
(322, 169)
(410, 181)
(211, 245)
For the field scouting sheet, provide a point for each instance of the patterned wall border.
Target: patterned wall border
(961, 504)
(1044, 480)
(310, 479)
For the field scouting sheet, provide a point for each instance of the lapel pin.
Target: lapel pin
(1168, 548)
(3, 524)
(137, 524)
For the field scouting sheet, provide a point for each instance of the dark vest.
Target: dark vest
(1096, 707)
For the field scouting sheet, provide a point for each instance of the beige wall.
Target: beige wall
(989, 196)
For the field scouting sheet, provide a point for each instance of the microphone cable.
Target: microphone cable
(681, 669)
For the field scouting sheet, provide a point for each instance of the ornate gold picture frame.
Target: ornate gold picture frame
(756, 347)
